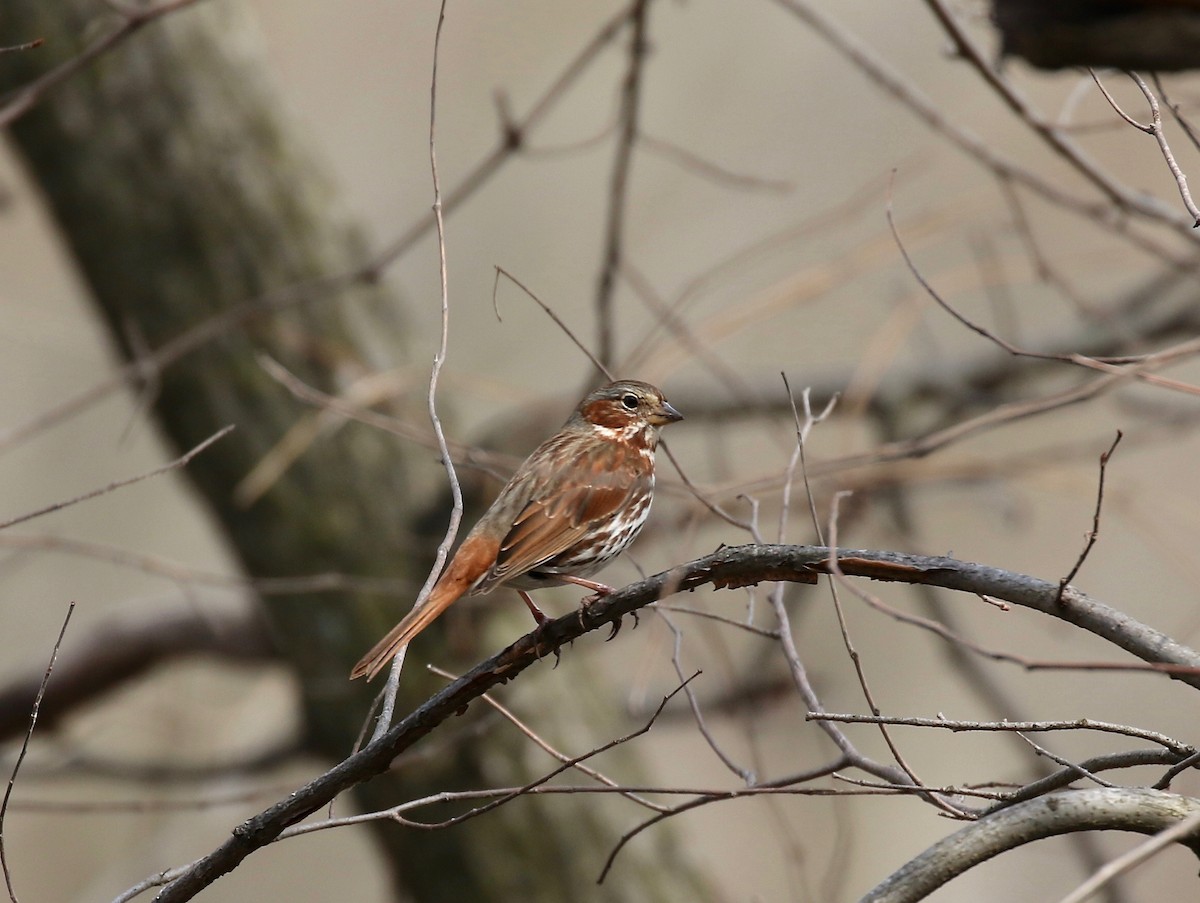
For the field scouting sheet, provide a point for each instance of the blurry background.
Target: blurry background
(757, 196)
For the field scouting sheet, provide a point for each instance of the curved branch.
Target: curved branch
(1105, 809)
(728, 568)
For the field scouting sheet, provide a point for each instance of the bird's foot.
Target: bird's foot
(618, 623)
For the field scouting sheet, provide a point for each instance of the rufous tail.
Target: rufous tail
(465, 568)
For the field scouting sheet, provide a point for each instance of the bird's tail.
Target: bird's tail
(458, 578)
(400, 636)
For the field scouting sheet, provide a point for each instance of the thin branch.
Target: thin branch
(514, 793)
(1094, 534)
(597, 362)
(720, 619)
(840, 579)
(707, 798)
(563, 758)
(388, 706)
(746, 775)
(179, 462)
(22, 100)
(28, 45)
(1064, 777)
(618, 193)
(492, 463)
(1187, 127)
(1156, 126)
(33, 717)
(1097, 213)
(956, 726)
(713, 172)
(1077, 771)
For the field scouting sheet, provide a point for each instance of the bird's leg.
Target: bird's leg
(600, 589)
(542, 621)
(538, 615)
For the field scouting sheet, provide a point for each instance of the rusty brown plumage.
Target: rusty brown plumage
(577, 502)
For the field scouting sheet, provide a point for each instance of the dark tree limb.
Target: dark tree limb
(728, 568)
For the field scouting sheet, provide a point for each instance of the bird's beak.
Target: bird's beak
(665, 414)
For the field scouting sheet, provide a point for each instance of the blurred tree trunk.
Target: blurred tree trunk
(181, 195)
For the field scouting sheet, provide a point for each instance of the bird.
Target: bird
(573, 505)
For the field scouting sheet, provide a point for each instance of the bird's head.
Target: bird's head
(627, 409)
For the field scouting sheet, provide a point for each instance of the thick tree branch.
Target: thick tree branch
(728, 568)
(1105, 809)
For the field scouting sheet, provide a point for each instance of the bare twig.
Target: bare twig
(388, 706)
(1077, 771)
(28, 45)
(618, 194)
(712, 171)
(597, 362)
(1062, 144)
(709, 797)
(493, 463)
(179, 462)
(1188, 128)
(745, 774)
(957, 726)
(1094, 212)
(1094, 533)
(21, 101)
(1154, 128)
(1064, 777)
(33, 717)
(562, 757)
(720, 619)
(840, 579)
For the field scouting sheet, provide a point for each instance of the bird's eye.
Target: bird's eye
(630, 402)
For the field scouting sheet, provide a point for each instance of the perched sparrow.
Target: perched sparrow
(576, 503)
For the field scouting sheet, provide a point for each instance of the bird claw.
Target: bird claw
(616, 628)
(585, 605)
(538, 646)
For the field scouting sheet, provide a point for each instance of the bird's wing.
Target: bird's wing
(584, 490)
